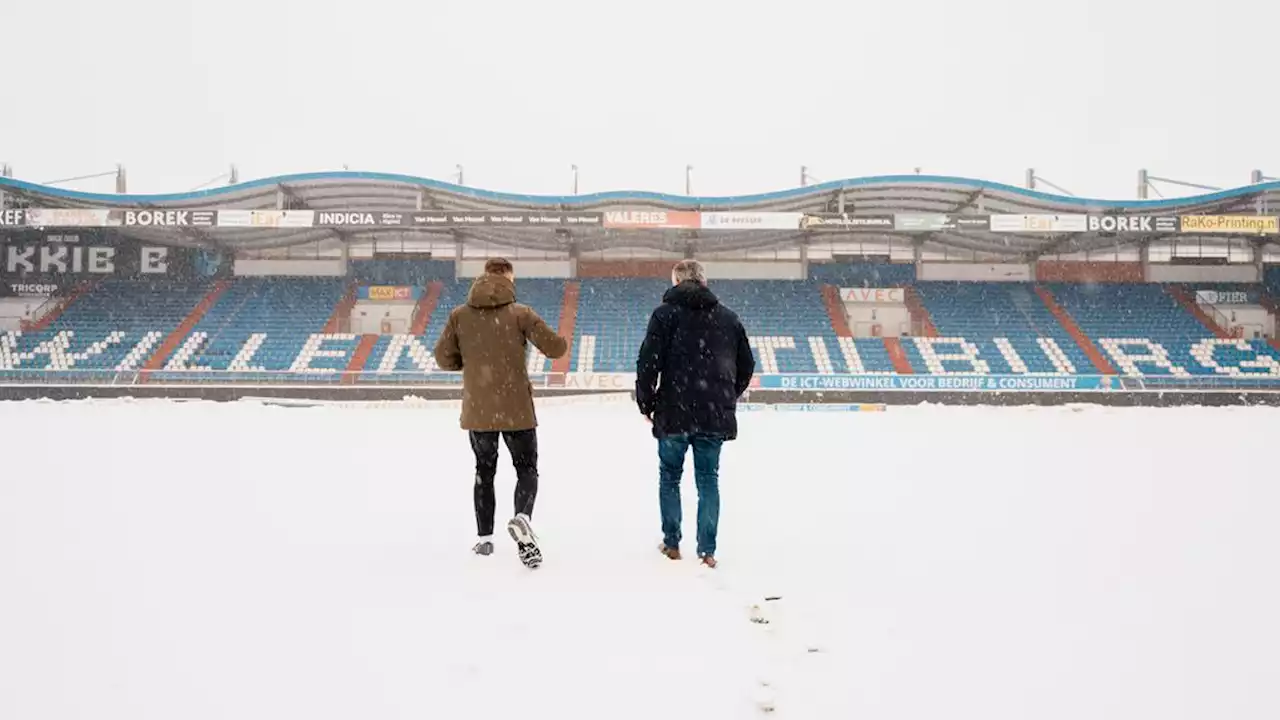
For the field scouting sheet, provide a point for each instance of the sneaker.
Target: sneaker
(484, 547)
(526, 542)
(670, 552)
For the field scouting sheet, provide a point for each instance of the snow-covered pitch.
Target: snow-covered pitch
(196, 561)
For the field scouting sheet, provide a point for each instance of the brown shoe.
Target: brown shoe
(709, 561)
(672, 553)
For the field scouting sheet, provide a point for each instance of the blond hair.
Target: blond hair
(686, 270)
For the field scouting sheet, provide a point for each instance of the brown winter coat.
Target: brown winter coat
(486, 339)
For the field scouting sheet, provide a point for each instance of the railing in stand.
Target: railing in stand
(1222, 321)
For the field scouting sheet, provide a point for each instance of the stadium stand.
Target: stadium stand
(265, 328)
(266, 325)
(269, 321)
(114, 326)
(779, 316)
(401, 272)
(791, 332)
(1145, 331)
(1271, 297)
(1005, 325)
(612, 315)
(410, 354)
(873, 354)
(785, 317)
(863, 274)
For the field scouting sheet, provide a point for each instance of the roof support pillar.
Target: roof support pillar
(1144, 256)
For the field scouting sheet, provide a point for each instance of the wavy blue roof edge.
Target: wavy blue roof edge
(636, 195)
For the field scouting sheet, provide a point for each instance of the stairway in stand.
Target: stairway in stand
(425, 308)
(358, 358)
(1068, 323)
(342, 311)
(175, 338)
(919, 313)
(568, 321)
(1188, 303)
(901, 363)
(59, 307)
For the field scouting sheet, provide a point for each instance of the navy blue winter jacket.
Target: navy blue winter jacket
(694, 364)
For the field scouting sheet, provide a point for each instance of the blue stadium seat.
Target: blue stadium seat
(787, 317)
(115, 326)
(1271, 277)
(988, 316)
(401, 272)
(260, 328)
(276, 323)
(1145, 331)
(859, 275)
(782, 315)
(615, 312)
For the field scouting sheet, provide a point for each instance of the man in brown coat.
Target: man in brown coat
(487, 339)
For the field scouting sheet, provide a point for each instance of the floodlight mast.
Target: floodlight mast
(92, 176)
(1033, 178)
(232, 177)
(1145, 180)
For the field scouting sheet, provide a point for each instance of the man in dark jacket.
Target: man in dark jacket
(487, 340)
(694, 364)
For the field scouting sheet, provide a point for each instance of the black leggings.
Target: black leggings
(523, 446)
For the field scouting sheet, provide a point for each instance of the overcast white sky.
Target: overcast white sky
(1086, 91)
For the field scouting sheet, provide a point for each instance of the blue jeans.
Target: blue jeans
(706, 471)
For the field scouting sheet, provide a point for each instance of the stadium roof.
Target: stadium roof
(881, 195)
